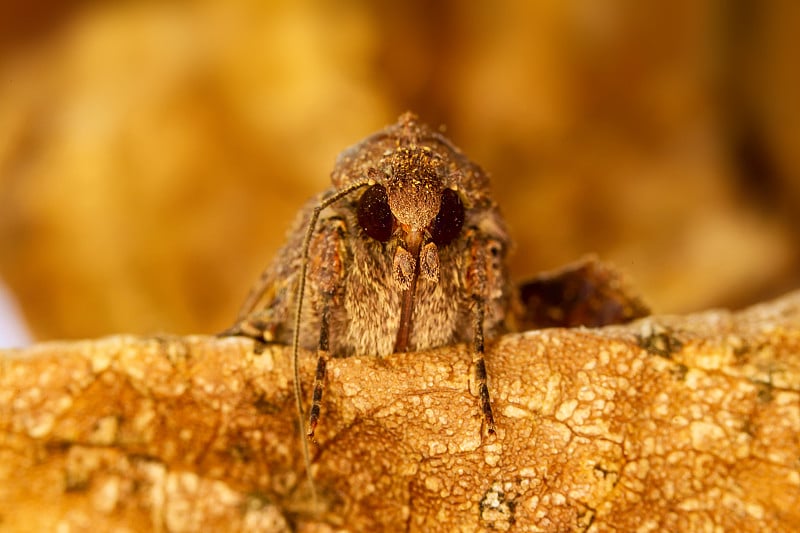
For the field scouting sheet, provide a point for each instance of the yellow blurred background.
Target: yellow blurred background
(153, 154)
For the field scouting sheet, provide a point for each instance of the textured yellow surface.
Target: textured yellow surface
(679, 423)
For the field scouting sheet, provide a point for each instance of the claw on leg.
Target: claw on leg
(253, 327)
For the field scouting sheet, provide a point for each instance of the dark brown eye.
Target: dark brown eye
(374, 215)
(450, 219)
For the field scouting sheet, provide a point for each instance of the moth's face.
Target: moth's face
(411, 204)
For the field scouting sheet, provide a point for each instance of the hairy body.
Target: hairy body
(407, 252)
(366, 304)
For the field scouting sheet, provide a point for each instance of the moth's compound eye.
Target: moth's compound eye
(374, 215)
(450, 219)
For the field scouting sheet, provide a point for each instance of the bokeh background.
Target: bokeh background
(153, 154)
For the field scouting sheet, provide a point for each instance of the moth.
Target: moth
(405, 252)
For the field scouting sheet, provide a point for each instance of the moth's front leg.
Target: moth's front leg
(326, 276)
(481, 282)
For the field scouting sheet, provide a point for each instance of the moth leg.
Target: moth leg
(262, 325)
(319, 375)
(477, 286)
(256, 326)
(326, 276)
(259, 326)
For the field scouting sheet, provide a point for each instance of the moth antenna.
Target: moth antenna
(301, 285)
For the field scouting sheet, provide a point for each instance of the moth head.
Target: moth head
(410, 201)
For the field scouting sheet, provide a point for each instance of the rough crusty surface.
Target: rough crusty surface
(668, 424)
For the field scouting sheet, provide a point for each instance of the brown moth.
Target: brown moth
(407, 252)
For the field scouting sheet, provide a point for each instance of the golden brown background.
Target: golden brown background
(153, 154)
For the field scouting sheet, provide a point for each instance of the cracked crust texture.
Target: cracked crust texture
(675, 423)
